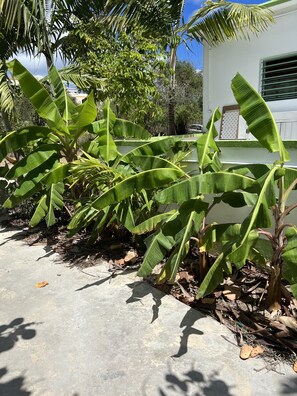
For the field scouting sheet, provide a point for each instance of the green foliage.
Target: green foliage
(253, 185)
(50, 152)
(128, 62)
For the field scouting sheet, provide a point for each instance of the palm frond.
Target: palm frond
(82, 81)
(219, 21)
(6, 94)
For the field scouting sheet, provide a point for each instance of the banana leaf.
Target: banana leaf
(258, 117)
(289, 257)
(49, 202)
(18, 139)
(148, 180)
(207, 142)
(124, 129)
(33, 160)
(150, 224)
(39, 97)
(208, 183)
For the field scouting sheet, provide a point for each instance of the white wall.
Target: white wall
(223, 62)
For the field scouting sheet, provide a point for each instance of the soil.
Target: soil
(238, 303)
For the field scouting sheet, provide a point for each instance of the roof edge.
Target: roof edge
(272, 3)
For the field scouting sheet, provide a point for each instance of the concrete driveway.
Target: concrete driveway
(86, 333)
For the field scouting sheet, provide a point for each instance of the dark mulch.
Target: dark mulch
(238, 303)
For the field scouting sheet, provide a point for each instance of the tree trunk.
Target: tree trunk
(171, 109)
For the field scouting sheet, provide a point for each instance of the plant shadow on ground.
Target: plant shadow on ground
(10, 334)
(195, 383)
(12, 387)
(141, 289)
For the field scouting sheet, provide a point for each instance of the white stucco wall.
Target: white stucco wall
(223, 62)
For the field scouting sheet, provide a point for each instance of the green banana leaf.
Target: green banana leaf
(31, 183)
(158, 244)
(237, 199)
(63, 102)
(258, 116)
(289, 257)
(150, 224)
(146, 162)
(125, 214)
(49, 202)
(18, 139)
(103, 128)
(176, 231)
(33, 160)
(148, 180)
(84, 115)
(192, 224)
(259, 217)
(124, 129)
(208, 183)
(207, 142)
(39, 97)
(155, 147)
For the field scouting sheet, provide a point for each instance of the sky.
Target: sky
(194, 54)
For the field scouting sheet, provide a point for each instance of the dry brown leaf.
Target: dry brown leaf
(289, 322)
(245, 352)
(184, 275)
(295, 366)
(130, 256)
(232, 292)
(258, 350)
(39, 285)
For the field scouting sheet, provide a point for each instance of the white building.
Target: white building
(268, 62)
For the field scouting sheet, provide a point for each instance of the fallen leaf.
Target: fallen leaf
(258, 350)
(295, 366)
(184, 275)
(232, 292)
(245, 352)
(39, 285)
(289, 322)
(130, 256)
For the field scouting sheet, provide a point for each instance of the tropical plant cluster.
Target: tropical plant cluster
(74, 163)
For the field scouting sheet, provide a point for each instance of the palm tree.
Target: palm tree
(214, 23)
(35, 27)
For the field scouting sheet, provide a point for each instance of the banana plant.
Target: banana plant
(188, 221)
(118, 188)
(252, 185)
(273, 195)
(54, 148)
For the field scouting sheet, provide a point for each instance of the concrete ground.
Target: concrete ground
(89, 334)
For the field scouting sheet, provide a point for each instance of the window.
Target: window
(279, 78)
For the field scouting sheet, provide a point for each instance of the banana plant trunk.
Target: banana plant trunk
(275, 276)
(171, 106)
